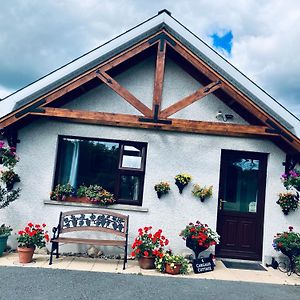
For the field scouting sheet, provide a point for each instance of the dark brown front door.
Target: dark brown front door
(241, 204)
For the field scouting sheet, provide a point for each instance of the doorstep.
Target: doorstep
(132, 267)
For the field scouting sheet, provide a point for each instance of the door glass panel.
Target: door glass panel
(241, 185)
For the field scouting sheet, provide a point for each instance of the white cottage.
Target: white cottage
(149, 104)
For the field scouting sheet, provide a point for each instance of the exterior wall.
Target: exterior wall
(168, 154)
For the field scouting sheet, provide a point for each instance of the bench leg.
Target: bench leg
(125, 257)
(54, 247)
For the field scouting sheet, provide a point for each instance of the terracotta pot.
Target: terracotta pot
(173, 270)
(25, 254)
(147, 262)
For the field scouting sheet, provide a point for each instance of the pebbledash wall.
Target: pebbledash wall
(168, 154)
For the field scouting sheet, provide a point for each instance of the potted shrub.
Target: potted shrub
(291, 179)
(199, 237)
(172, 264)
(4, 234)
(162, 188)
(288, 242)
(28, 239)
(9, 177)
(288, 202)
(182, 180)
(202, 192)
(147, 246)
(61, 192)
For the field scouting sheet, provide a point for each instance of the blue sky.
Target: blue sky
(223, 42)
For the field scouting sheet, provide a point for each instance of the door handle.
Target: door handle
(221, 201)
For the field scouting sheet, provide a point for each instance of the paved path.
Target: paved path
(38, 283)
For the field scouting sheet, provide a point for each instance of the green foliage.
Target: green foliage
(8, 155)
(33, 236)
(202, 192)
(162, 187)
(172, 259)
(288, 201)
(5, 230)
(9, 177)
(6, 197)
(287, 240)
(61, 191)
(183, 178)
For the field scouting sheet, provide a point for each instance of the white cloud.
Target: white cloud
(37, 37)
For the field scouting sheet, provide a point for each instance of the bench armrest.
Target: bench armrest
(55, 231)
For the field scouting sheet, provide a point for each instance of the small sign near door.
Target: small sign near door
(203, 264)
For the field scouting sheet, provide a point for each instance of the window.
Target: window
(118, 166)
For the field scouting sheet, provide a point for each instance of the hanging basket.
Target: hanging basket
(180, 186)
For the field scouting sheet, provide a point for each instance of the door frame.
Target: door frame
(263, 157)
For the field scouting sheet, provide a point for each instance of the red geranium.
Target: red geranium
(149, 244)
(33, 236)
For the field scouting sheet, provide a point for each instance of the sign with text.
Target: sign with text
(203, 264)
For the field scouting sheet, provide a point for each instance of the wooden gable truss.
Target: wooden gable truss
(154, 117)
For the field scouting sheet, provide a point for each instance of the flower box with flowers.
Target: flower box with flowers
(199, 237)
(182, 180)
(147, 246)
(288, 202)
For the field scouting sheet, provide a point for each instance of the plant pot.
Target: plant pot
(180, 186)
(173, 270)
(285, 212)
(25, 254)
(3, 243)
(147, 262)
(202, 199)
(193, 245)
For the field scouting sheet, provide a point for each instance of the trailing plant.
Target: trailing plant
(288, 202)
(7, 197)
(5, 230)
(163, 187)
(200, 234)
(291, 179)
(202, 192)
(33, 236)
(61, 191)
(287, 240)
(173, 260)
(148, 243)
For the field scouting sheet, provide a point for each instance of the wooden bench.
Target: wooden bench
(90, 220)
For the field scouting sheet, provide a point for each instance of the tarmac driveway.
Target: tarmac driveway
(38, 283)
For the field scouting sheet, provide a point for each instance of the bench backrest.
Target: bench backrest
(93, 220)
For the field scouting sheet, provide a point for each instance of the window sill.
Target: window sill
(113, 207)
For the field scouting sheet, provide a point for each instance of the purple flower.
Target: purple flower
(284, 176)
(2, 143)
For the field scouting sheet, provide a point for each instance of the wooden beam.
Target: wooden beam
(80, 80)
(124, 93)
(247, 103)
(125, 120)
(199, 94)
(159, 75)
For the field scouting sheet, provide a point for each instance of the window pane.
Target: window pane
(134, 162)
(132, 157)
(88, 162)
(241, 185)
(129, 187)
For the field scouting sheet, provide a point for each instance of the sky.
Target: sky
(260, 38)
